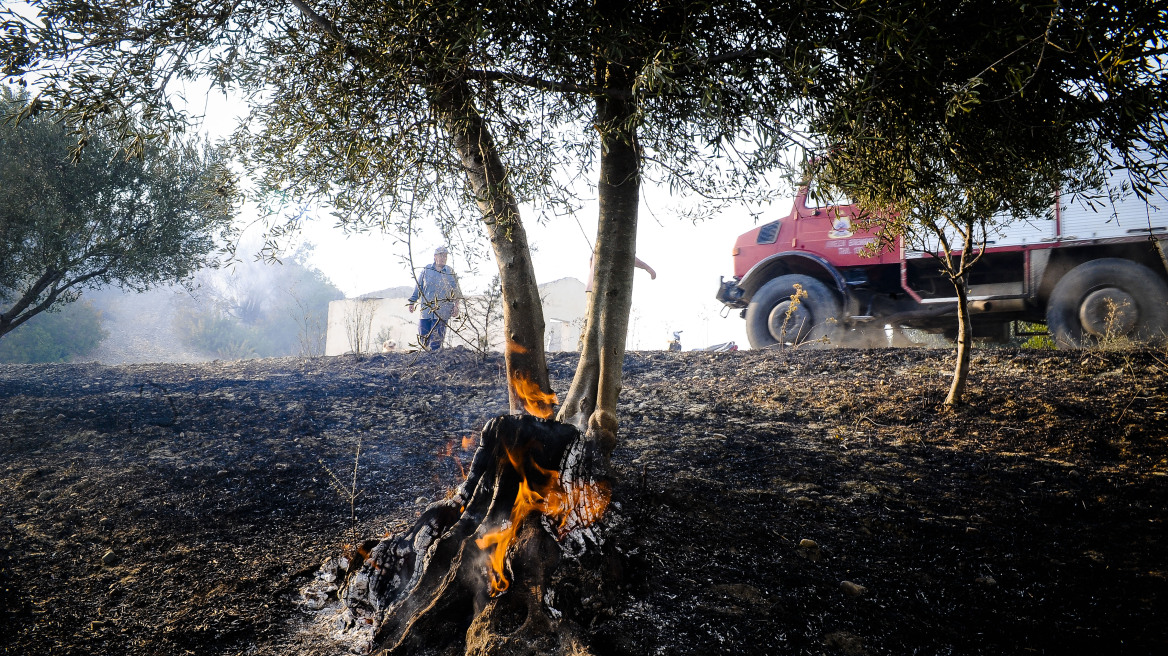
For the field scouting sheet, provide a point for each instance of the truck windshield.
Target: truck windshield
(818, 197)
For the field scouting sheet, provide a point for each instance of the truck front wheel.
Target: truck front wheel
(776, 316)
(1106, 299)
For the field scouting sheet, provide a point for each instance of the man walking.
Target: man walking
(438, 291)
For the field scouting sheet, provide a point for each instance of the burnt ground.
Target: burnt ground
(799, 502)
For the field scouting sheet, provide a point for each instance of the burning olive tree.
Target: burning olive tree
(394, 110)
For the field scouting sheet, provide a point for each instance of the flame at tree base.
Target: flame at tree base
(572, 507)
(411, 585)
(541, 490)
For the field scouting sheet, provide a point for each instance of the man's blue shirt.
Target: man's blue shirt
(436, 291)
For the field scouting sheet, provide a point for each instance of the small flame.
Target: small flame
(469, 442)
(449, 453)
(576, 506)
(535, 401)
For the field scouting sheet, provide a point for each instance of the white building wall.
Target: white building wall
(563, 305)
(378, 317)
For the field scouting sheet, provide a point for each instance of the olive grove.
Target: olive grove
(469, 111)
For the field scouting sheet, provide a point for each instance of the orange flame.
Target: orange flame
(449, 453)
(535, 401)
(577, 506)
(469, 442)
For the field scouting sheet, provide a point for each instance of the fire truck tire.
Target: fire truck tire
(813, 318)
(1107, 298)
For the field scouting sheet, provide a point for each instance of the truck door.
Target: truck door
(829, 228)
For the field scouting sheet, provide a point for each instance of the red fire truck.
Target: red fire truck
(1088, 273)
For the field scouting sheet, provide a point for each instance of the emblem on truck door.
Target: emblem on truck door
(841, 227)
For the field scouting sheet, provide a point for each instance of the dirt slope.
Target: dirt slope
(807, 502)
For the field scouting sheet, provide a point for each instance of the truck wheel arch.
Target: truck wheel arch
(792, 262)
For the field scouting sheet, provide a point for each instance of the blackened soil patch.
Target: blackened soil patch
(800, 502)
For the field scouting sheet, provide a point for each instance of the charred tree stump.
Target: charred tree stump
(477, 572)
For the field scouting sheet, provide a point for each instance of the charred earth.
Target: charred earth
(798, 502)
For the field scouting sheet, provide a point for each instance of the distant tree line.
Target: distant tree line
(74, 331)
(265, 310)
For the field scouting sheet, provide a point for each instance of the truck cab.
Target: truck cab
(827, 249)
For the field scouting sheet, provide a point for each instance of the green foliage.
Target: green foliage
(73, 220)
(938, 118)
(308, 293)
(344, 107)
(1036, 338)
(217, 334)
(1038, 343)
(60, 336)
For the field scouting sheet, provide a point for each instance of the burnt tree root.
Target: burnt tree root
(433, 590)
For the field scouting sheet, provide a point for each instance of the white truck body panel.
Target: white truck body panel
(1003, 232)
(1022, 232)
(1104, 219)
(1073, 218)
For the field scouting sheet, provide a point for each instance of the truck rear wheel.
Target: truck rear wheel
(774, 318)
(1105, 299)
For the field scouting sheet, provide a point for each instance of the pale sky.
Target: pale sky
(688, 258)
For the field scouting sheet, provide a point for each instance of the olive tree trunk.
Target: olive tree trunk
(590, 404)
(435, 588)
(523, 322)
(471, 139)
(964, 342)
(959, 275)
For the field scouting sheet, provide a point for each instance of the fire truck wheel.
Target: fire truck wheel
(1106, 299)
(774, 317)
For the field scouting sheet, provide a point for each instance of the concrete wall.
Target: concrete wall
(563, 299)
(563, 306)
(376, 317)
(563, 313)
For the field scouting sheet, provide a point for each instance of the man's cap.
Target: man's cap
(441, 250)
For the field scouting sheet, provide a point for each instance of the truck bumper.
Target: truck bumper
(730, 294)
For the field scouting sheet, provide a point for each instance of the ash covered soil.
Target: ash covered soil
(797, 502)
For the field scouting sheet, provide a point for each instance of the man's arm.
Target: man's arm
(413, 299)
(640, 264)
